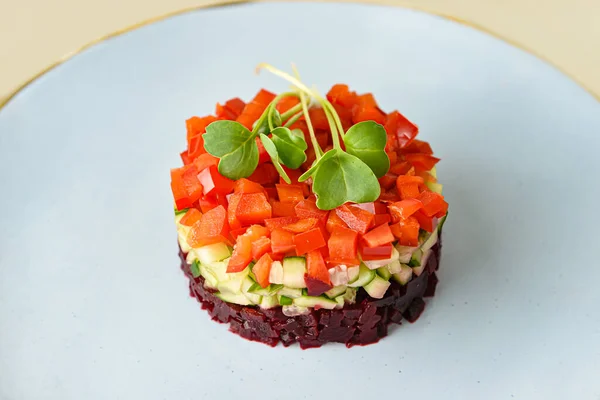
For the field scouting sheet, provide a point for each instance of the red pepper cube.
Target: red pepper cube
(333, 221)
(433, 203)
(289, 193)
(211, 228)
(308, 209)
(192, 184)
(302, 225)
(422, 161)
(309, 241)
(180, 194)
(407, 231)
(213, 182)
(279, 222)
(317, 275)
(282, 241)
(283, 209)
(234, 201)
(262, 270)
(343, 245)
(253, 208)
(408, 191)
(400, 127)
(378, 236)
(376, 253)
(242, 251)
(261, 247)
(192, 216)
(403, 209)
(382, 219)
(356, 218)
(245, 186)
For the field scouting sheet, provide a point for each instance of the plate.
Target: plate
(93, 304)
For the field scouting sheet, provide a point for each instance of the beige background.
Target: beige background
(36, 33)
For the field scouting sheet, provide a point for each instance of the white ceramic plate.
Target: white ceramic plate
(93, 304)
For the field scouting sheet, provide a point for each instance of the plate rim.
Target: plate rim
(4, 101)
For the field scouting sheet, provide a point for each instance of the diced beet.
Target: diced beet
(315, 287)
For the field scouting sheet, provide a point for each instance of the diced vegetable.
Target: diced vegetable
(280, 222)
(253, 208)
(290, 193)
(191, 217)
(343, 244)
(302, 225)
(378, 236)
(262, 269)
(377, 287)
(403, 209)
(282, 241)
(357, 219)
(261, 247)
(308, 241)
(294, 269)
(376, 253)
(211, 228)
(213, 182)
(242, 251)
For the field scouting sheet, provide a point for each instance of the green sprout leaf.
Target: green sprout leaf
(272, 151)
(343, 178)
(311, 171)
(366, 140)
(269, 120)
(234, 145)
(291, 146)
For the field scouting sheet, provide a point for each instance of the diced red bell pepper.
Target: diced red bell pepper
(205, 160)
(294, 175)
(197, 126)
(380, 207)
(400, 168)
(234, 201)
(196, 146)
(192, 216)
(357, 219)
(376, 253)
(418, 146)
(180, 194)
(408, 191)
(333, 221)
(213, 182)
(283, 209)
(211, 228)
(407, 231)
(184, 157)
(192, 184)
(245, 186)
(261, 247)
(235, 233)
(264, 97)
(425, 222)
(378, 236)
(342, 245)
(423, 161)
(390, 195)
(309, 241)
(263, 156)
(317, 275)
(271, 193)
(253, 208)
(242, 251)
(282, 241)
(302, 225)
(433, 203)
(387, 181)
(289, 193)
(280, 222)
(318, 118)
(222, 111)
(286, 103)
(368, 114)
(323, 138)
(236, 105)
(382, 219)
(408, 179)
(262, 270)
(340, 94)
(265, 174)
(308, 209)
(404, 208)
(406, 131)
(207, 203)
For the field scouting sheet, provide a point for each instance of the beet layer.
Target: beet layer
(362, 323)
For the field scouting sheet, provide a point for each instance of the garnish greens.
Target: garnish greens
(338, 176)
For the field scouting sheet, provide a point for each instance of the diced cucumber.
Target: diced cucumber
(430, 241)
(294, 269)
(293, 310)
(405, 253)
(212, 253)
(285, 301)
(338, 275)
(353, 272)
(350, 296)
(433, 172)
(268, 291)
(377, 287)
(365, 276)
(435, 187)
(218, 269)
(335, 291)
(237, 275)
(230, 286)
(182, 234)
(290, 292)
(442, 221)
(269, 302)
(234, 298)
(415, 261)
(210, 280)
(304, 292)
(276, 274)
(394, 267)
(384, 272)
(313, 301)
(374, 264)
(340, 301)
(403, 277)
(419, 270)
(253, 297)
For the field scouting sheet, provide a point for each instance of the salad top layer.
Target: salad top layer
(333, 179)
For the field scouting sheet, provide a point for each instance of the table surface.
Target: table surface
(35, 34)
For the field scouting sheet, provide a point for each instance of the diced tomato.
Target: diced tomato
(418, 146)
(234, 201)
(211, 228)
(308, 209)
(261, 247)
(342, 245)
(283, 209)
(213, 182)
(309, 241)
(191, 217)
(333, 221)
(318, 118)
(277, 223)
(423, 161)
(357, 219)
(253, 208)
(382, 219)
(302, 225)
(406, 131)
(289, 193)
(262, 270)
(265, 174)
(408, 191)
(263, 156)
(282, 241)
(236, 105)
(207, 203)
(433, 203)
(205, 160)
(425, 222)
(378, 236)
(242, 251)
(185, 158)
(180, 194)
(245, 186)
(387, 181)
(316, 269)
(404, 208)
(286, 103)
(196, 126)
(237, 232)
(407, 231)
(376, 253)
